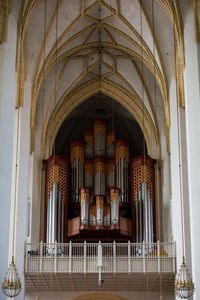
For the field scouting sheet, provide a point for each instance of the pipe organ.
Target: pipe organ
(56, 198)
(142, 169)
(102, 194)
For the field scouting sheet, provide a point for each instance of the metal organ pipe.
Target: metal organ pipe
(99, 137)
(99, 176)
(89, 143)
(110, 146)
(59, 216)
(50, 216)
(114, 203)
(136, 220)
(99, 210)
(85, 194)
(54, 213)
(141, 239)
(110, 176)
(122, 161)
(77, 162)
(62, 221)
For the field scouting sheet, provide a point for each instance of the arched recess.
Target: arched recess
(134, 105)
(99, 296)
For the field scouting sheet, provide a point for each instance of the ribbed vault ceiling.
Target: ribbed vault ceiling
(126, 42)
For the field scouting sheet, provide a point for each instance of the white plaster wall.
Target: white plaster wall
(126, 295)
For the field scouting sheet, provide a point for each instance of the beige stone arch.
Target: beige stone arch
(132, 103)
(99, 296)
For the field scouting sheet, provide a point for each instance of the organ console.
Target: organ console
(100, 192)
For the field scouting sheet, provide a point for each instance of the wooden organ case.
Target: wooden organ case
(100, 194)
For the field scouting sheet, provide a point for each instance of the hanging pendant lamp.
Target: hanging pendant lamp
(184, 284)
(11, 285)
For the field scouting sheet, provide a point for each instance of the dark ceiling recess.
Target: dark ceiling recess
(99, 106)
(100, 111)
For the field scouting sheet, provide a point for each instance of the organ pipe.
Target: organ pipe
(110, 177)
(77, 163)
(99, 176)
(110, 143)
(85, 194)
(107, 215)
(114, 204)
(89, 143)
(122, 162)
(99, 210)
(99, 137)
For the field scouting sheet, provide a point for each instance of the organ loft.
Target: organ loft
(100, 191)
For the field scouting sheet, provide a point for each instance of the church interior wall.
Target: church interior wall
(30, 185)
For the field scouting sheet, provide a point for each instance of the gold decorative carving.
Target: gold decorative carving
(99, 202)
(85, 195)
(77, 151)
(142, 174)
(89, 166)
(110, 166)
(99, 165)
(56, 174)
(99, 125)
(89, 137)
(93, 210)
(121, 151)
(114, 195)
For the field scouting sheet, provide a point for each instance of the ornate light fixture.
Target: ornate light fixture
(11, 285)
(184, 285)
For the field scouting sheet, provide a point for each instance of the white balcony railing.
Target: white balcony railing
(100, 257)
